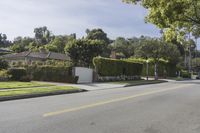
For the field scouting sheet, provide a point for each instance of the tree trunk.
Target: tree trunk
(156, 71)
(189, 62)
(185, 60)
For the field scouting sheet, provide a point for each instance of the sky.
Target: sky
(63, 17)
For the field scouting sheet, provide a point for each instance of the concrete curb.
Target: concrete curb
(27, 96)
(129, 85)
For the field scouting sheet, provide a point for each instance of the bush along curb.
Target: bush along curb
(148, 83)
(26, 96)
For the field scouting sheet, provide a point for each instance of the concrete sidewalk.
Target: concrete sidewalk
(91, 86)
(98, 86)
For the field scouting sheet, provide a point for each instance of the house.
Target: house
(30, 56)
(4, 51)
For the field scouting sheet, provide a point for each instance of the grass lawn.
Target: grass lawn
(15, 85)
(28, 91)
(139, 82)
(17, 90)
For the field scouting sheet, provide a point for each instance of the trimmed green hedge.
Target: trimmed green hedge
(4, 76)
(3, 64)
(17, 74)
(52, 73)
(185, 74)
(112, 67)
(165, 68)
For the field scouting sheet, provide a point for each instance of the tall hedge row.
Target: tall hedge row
(17, 73)
(112, 67)
(51, 73)
(165, 68)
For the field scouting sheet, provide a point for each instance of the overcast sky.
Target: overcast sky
(20, 17)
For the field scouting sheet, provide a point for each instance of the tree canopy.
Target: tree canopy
(123, 46)
(157, 49)
(97, 34)
(21, 44)
(3, 41)
(175, 17)
(42, 35)
(82, 51)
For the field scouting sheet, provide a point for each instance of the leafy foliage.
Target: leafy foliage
(17, 73)
(52, 73)
(175, 17)
(4, 76)
(42, 35)
(185, 74)
(156, 49)
(82, 51)
(3, 41)
(100, 35)
(97, 34)
(22, 44)
(3, 64)
(121, 45)
(59, 42)
(112, 67)
(165, 68)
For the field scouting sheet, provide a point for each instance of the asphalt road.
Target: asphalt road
(163, 108)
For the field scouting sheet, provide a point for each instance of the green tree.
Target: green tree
(157, 49)
(42, 35)
(83, 51)
(99, 34)
(171, 53)
(121, 45)
(59, 42)
(3, 41)
(175, 17)
(56, 45)
(3, 64)
(21, 44)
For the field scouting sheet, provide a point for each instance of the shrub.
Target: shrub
(3, 64)
(185, 74)
(113, 67)
(17, 73)
(26, 78)
(4, 76)
(52, 73)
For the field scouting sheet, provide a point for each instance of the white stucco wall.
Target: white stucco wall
(85, 74)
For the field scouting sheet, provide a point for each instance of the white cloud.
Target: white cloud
(20, 17)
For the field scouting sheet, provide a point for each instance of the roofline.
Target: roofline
(48, 54)
(28, 53)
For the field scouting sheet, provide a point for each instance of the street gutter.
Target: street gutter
(26, 96)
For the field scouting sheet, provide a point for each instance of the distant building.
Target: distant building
(4, 51)
(30, 56)
(113, 55)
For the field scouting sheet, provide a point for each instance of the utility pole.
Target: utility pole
(196, 39)
(190, 55)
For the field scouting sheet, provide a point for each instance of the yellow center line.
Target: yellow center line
(110, 101)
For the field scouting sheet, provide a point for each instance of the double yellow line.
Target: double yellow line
(111, 101)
